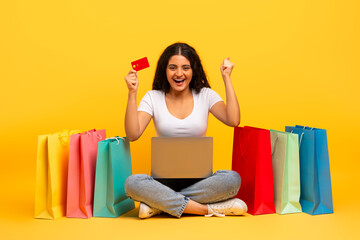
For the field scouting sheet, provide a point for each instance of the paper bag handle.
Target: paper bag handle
(61, 137)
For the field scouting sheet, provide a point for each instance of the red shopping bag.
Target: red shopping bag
(81, 173)
(252, 160)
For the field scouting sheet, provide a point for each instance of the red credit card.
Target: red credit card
(140, 64)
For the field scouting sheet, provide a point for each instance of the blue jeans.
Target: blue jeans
(220, 186)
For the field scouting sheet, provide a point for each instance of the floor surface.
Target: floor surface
(17, 222)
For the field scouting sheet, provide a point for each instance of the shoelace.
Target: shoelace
(212, 213)
(153, 210)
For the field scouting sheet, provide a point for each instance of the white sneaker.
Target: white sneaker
(232, 206)
(146, 211)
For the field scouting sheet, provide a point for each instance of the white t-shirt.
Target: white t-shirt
(166, 125)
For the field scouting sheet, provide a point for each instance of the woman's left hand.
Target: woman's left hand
(226, 68)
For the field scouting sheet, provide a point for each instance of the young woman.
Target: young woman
(179, 104)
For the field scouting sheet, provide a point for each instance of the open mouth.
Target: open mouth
(179, 80)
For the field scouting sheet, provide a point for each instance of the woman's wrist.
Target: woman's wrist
(132, 94)
(226, 78)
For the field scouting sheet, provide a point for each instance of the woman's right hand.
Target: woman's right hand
(132, 81)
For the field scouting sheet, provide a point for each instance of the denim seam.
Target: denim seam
(181, 210)
(227, 196)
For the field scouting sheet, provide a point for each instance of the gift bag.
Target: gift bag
(252, 160)
(51, 174)
(113, 166)
(81, 173)
(315, 181)
(286, 171)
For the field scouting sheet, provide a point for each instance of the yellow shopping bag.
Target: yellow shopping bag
(51, 174)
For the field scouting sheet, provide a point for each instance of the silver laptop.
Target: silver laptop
(181, 157)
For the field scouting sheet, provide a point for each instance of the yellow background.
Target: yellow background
(62, 65)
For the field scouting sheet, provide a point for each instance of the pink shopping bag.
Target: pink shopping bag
(81, 173)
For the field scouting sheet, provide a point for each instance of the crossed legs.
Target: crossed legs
(222, 185)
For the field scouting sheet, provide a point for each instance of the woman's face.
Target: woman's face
(179, 73)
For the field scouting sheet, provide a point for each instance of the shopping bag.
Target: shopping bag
(113, 166)
(81, 173)
(315, 181)
(286, 171)
(252, 160)
(51, 174)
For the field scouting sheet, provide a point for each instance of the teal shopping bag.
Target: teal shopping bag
(113, 167)
(315, 181)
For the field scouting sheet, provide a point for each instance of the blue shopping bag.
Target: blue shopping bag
(113, 167)
(315, 181)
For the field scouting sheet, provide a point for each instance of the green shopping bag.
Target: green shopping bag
(286, 171)
(113, 166)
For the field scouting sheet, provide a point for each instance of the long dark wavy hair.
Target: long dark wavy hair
(199, 79)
